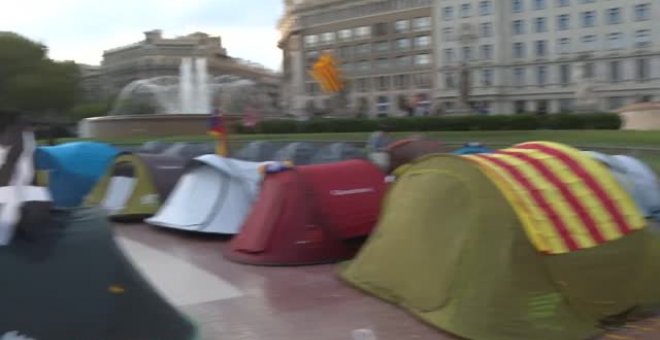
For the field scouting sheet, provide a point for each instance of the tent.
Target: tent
(73, 169)
(154, 146)
(300, 153)
(258, 151)
(472, 148)
(189, 150)
(64, 277)
(637, 178)
(214, 195)
(532, 242)
(336, 152)
(310, 214)
(136, 184)
(407, 150)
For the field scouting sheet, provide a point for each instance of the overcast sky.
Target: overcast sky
(81, 29)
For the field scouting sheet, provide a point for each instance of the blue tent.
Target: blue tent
(472, 148)
(74, 169)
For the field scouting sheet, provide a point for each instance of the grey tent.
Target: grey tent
(63, 275)
(154, 146)
(188, 151)
(337, 152)
(300, 153)
(257, 151)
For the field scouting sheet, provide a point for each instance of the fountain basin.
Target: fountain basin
(153, 125)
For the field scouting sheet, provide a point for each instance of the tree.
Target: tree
(31, 82)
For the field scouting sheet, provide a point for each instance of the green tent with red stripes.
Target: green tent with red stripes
(537, 241)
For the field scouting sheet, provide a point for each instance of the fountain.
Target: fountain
(176, 105)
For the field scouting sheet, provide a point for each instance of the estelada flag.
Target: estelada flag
(217, 128)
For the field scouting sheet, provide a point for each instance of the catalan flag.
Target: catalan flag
(217, 129)
(326, 73)
(566, 201)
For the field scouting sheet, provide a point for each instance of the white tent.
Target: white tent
(214, 195)
(637, 178)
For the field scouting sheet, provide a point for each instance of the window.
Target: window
(382, 63)
(401, 81)
(563, 3)
(422, 81)
(615, 102)
(345, 34)
(614, 16)
(486, 77)
(589, 70)
(312, 55)
(564, 45)
(566, 105)
(382, 46)
(328, 37)
(539, 4)
(422, 42)
(382, 83)
(363, 65)
(486, 52)
(642, 12)
(589, 42)
(404, 61)
(541, 75)
(615, 40)
(380, 29)
(565, 74)
(467, 53)
(382, 102)
(447, 32)
(450, 83)
(311, 40)
(520, 106)
(517, 6)
(449, 55)
(589, 19)
(345, 52)
(563, 22)
(403, 44)
(518, 50)
(448, 13)
(518, 27)
(642, 38)
(402, 26)
(363, 85)
(519, 77)
(642, 69)
(541, 47)
(422, 59)
(486, 29)
(540, 25)
(486, 7)
(466, 10)
(422, 24)
(615, 71)
(363, 32)
(363, 49)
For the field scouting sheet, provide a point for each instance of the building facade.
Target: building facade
(158, 56)
(384, 48)
(546, 56)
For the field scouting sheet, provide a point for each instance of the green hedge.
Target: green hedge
(598, 121)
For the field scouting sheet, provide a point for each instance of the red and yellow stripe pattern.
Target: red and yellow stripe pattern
(565, 200)
(327, 74)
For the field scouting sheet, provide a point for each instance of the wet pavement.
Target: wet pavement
(234, 301)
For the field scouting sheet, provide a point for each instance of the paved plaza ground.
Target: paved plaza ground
(240, 302)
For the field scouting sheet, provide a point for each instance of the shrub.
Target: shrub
(601, 121)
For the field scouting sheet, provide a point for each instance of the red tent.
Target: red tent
(311, 214)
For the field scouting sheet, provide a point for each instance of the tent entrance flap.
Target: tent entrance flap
(195, 199)
(119, 192)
